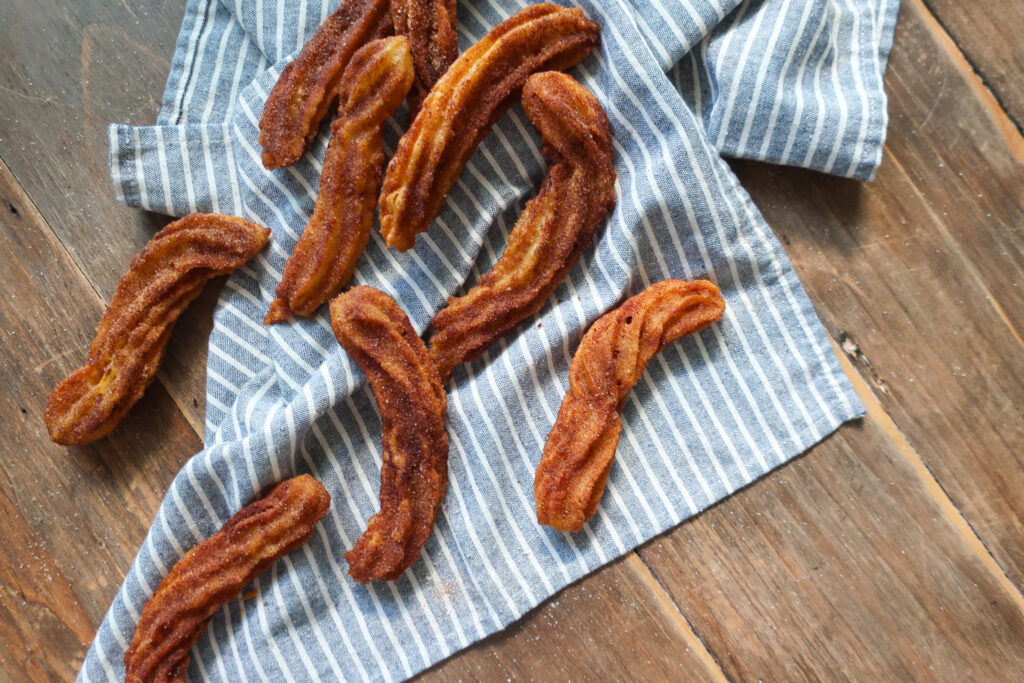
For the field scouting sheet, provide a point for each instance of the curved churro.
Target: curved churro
(213, 573)
(580, 448)
(552, 231)
(430, 27)
(376, 81)
(377, 335)
(465, 103)
(308, 85)
(162, 279)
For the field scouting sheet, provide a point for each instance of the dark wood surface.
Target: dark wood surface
(988, 34)
(893, 550)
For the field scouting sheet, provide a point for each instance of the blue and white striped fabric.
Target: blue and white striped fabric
(683, 81)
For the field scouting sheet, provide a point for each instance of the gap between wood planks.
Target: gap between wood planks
(876, 411)
(942, 28)
(60, 246)
(1004, 124)
(1015, 143)
(632, 560)
(673, 613)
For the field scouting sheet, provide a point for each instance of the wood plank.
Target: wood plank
(972, 544)
(988, 33)
(919, 276)
(570, 634)
(74, 518)
(851, 561)
(54, 110)
(51, 95)
(616, 624)
(843, 565)
(42, 625)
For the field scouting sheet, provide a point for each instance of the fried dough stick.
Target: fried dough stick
(580, 448)
(430, 27)
(552, 231)
(213, 573)
(465, 103)
(308, 85)
(375, 82)
(377, 335)
(162, 279)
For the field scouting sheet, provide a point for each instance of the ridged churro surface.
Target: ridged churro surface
(375, 82)
(461, 108)
(552, 231)
(377, 335)
(162, 279)
(308, 85)
(430, 27)
(580, 448)
(214, 572)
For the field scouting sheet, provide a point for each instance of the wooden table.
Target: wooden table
(893, 550)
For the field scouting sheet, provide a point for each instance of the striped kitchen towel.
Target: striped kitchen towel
(684, 82)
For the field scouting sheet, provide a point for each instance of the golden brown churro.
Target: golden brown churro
(308, 85)
(161, 280)
(465, 103)
(580, 448)
(430, 27)
(377, 335)
(213, 573)
(552, 231)
(376, 81)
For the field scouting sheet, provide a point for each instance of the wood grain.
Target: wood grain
(852, 562)
(841, 565)
(73, 518)
(42, 623)
(988, 33)
(919, 276)
(55, 105)
(616, 624)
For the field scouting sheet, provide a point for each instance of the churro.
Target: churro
(375, 82)
(552, 231)
(461, 108)
(580, 448)
(378, 336)
(308, 85)
(213, 573)
(161, 280)
(430, 27)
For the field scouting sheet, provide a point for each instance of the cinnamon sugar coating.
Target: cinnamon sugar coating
(430, 27)
(161, 280)
(375, 82)
(213, 573)
(377, 335)
(461, 108)
(308, 85)
(554, 228)
(580, 448)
